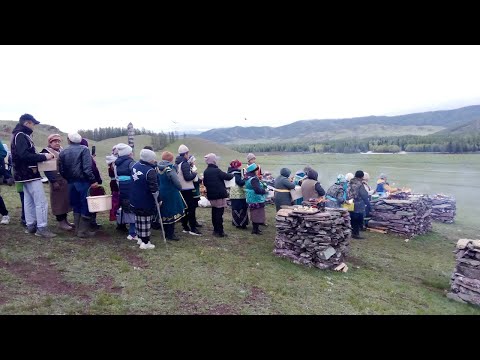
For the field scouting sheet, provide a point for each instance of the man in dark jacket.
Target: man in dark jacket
(76, 167)
(357, 191)
(186, 177)
(25, 159)
(98, 179)
(214, 181)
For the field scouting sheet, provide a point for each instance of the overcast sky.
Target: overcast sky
(186, 88)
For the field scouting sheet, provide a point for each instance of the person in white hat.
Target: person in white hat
(110, 160)
(186, 176)
(142, 196)
(123, 167)
(76, 167)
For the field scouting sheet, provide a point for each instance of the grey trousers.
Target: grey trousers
(35, 202)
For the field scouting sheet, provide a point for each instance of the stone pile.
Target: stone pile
(319, 239)
(408, 217)
(443, 208)
(465, 281)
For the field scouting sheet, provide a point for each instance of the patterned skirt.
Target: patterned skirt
(143, 225)
(239, 212)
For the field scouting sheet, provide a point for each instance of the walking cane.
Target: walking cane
(160, 218)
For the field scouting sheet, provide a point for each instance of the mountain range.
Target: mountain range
(458, 121)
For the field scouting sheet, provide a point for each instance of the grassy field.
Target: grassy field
(239, 274)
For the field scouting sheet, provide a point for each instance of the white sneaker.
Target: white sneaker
(139, 241)
(130, 237)
(5, 220)
(146, 246)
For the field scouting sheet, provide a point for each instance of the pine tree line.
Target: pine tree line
(159, 140)
(409, 143)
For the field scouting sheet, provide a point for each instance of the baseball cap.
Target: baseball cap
(28, 117)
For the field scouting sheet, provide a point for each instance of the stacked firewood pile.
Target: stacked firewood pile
(465, 281)
(443, 208)
(313, 238)
(408, 217)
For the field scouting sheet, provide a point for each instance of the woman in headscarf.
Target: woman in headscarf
(238, 197)
(214, 181)
(173, 205)
(110, 159)
(282, 187)
(59, 198)
(196, 192)
(311, 188)
(123, 167)
(337, 193)
(256, 196)
(300, 175)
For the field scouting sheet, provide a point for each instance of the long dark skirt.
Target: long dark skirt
(239, 212)
(257, 214)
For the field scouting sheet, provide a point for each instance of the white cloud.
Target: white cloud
(201, 87)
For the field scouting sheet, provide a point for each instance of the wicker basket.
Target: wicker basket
(99, 203)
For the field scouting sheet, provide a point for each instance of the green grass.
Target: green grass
(239, 274)
(207, 275)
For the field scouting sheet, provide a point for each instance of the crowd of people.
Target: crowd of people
(151, 193)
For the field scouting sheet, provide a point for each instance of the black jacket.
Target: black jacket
(213, 179)
(76, 164)
(24, 155)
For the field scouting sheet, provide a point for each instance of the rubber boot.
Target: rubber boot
(76, 222)
(84, 230)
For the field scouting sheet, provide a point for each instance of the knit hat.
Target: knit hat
(312, 174)
(252, 167)
(124, 149)
(366, 176)
(359, 174)
(28, 117)
(191, 159)
(84, 142)
(110, 159)
(285, 172)
(182, 149)
(306, 168)
(235, 164)
(211, 159)
(167, 155)
(383, 176)
(54, 137)
(75, 138)
(341, 179)
(251, 156)
(147, 155)
(349, 176)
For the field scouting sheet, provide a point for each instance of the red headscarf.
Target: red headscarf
(235, 164)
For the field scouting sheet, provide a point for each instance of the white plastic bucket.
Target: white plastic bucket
(99, 203)
(49, 165)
